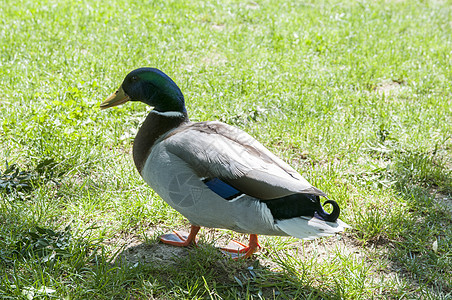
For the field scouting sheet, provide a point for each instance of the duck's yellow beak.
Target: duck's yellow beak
(117, 98)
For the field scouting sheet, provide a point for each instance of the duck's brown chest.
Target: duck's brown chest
(154, 126)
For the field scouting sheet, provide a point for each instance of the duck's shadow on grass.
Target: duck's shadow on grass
(204, 270)
(420, 253)
(415, 257)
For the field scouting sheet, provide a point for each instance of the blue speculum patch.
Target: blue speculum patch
(222, 189)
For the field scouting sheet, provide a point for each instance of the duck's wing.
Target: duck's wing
(217, 150)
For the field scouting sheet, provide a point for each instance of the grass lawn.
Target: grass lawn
(355, 95)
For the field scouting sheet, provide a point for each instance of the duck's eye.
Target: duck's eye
(134, 78)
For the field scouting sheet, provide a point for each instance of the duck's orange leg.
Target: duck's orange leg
(181, 239)
(239, 250)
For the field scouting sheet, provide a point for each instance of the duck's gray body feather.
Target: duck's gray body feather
(181, 158)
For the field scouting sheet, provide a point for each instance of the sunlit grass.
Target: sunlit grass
(354, 95)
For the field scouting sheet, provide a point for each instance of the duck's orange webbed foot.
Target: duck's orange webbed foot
(180, 238)
(238, 250)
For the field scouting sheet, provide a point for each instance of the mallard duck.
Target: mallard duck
(216, 175)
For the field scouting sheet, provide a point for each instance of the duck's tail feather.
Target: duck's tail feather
(308, 228)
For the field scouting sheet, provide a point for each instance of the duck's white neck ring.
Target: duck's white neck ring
(171, 114)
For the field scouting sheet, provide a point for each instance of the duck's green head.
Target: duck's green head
(151, 86)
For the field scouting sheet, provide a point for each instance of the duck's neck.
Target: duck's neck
(154, 126)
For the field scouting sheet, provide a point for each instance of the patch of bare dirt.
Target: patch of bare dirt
(218, 27)
(137, 250)
(153, 253)
(214, 59)
(252, 5)
(390, 88)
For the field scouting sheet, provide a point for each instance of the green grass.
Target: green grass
(356, 95)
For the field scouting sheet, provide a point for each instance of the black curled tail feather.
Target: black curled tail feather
(329, 217)
(298, 205)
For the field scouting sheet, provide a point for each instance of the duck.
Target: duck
(216, 175)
